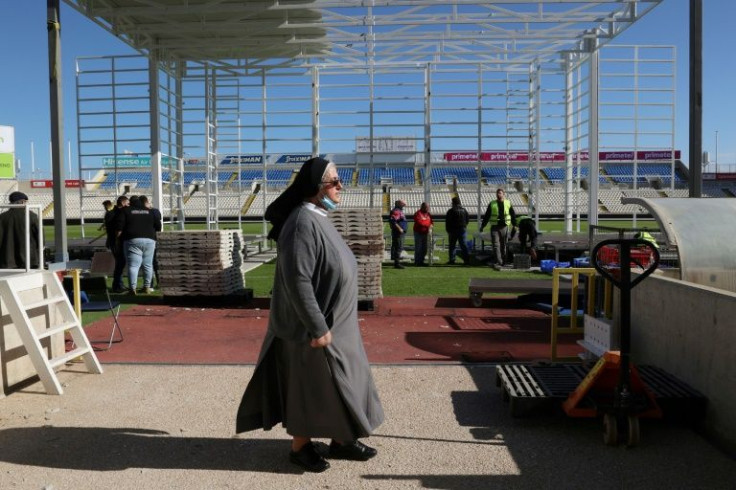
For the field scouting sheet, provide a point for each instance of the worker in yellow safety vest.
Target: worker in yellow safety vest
(500, 214)
(647, 237)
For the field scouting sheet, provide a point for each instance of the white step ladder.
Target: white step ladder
(25, 292)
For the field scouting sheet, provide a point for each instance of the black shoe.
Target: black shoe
(451, 262)
(119, 290)
(399, 266)
(309, 459)
(354, 451)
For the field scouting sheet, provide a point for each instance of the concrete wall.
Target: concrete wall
(690, 331)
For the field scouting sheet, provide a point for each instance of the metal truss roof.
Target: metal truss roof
(362, 32)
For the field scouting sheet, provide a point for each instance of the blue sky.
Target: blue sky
(24, 89)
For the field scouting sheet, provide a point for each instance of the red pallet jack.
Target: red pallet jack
(613, 388)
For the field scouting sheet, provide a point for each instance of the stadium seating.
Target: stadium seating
(398, 176)
(359, 181)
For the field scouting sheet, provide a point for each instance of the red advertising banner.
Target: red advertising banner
(48, 184)
(726, 176)
(502, 156)
(554, 156)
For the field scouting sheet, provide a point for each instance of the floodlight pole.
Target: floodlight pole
(696, 99)
(716, 152)
(53, 25)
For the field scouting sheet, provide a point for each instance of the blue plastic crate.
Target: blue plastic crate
(562, 265)
(547, 265)
(581, 262)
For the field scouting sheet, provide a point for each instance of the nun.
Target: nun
(312, 374)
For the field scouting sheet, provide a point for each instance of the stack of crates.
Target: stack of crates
(362, 230)
(201, 262)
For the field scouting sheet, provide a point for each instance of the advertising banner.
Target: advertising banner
(296, 158)
(134, 161)
(241, 159)
(554, 156)
(7, 152)
(42, 184)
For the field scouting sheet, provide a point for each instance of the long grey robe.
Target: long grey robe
(314, 392)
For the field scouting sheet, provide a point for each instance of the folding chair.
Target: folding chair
(96, 285)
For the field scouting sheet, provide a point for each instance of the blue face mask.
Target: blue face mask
(328, 203)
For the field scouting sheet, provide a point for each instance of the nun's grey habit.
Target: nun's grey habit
(314, 392)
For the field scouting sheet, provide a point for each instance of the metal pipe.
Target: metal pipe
(696, 99)
(53, 25)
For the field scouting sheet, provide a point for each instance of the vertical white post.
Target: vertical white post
(567, 62)
(716, 151)
(593, 165)
(155, 125)
(33, 162)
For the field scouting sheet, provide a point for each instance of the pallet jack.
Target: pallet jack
(614, 387)
(614, 384)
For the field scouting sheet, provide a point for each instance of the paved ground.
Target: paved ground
(447, 427)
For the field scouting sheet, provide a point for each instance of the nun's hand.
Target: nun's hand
(323, 341)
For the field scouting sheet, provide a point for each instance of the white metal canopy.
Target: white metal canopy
(363, 32)
(443, 75)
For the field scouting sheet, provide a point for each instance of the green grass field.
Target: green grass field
(92, 230)
(437, 280)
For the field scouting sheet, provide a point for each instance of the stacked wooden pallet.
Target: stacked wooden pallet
(362, 230)
(201, 263)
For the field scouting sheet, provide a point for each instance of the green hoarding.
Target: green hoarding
(7, 166)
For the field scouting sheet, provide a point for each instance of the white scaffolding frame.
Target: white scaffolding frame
(303, 79)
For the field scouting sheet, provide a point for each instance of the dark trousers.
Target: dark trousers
(117, 276)
(397, 246)
(530, 236)
(420, 247)
(458, 238)
(155, 267)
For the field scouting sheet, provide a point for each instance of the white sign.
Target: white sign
(397, 144)
(7, 139)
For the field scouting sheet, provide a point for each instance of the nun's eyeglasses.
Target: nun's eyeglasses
(334, 182)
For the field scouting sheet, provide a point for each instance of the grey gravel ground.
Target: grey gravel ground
(447, 427)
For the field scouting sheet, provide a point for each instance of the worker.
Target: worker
(501, 215)
(527, 232)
